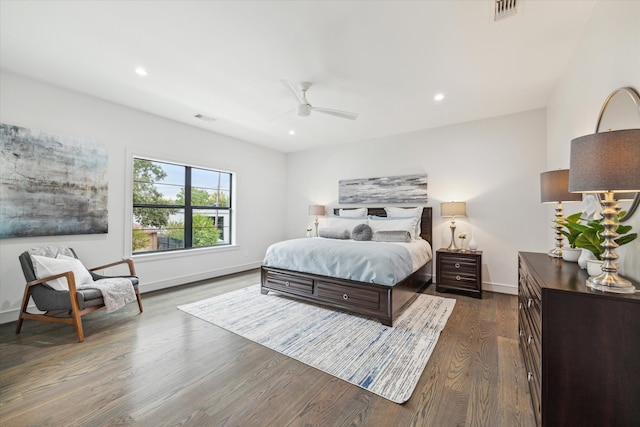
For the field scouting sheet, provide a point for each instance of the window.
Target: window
(179, 207)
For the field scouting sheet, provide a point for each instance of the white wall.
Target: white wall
(261, 181)
(607, 58)
(494, 165)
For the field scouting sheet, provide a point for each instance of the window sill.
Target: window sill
(158, 256)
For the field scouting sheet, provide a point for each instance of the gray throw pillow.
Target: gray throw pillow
(361, 232)
(392, 236)
(333, 233)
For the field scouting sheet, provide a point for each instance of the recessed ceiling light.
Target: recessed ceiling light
(292, 132)
(141, 71)
(439, 97)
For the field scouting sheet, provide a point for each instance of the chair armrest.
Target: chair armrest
(71, 280)
(132, 269)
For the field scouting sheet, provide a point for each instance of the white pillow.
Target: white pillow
(47, 266)
(394, 212)
(353, 212)
(394, 224)
(403, 212)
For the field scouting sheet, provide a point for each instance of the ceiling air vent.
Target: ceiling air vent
(504, 8)
(205, 118)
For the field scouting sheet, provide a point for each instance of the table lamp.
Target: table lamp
(554, 188)
(609, 163)
(453, 209)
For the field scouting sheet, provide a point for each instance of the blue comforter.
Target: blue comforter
(370, 262)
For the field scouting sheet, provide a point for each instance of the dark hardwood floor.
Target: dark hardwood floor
(166, 368)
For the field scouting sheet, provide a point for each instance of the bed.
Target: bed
(381, 300)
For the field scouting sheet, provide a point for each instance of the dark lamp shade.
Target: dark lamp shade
(316, 210)
(554, 187)
(607, 161)
(453, 209)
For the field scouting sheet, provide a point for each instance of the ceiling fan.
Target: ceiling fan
(304, 108)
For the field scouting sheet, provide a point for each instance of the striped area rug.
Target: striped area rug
(386, 361)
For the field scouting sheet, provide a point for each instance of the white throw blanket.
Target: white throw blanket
(116, 291)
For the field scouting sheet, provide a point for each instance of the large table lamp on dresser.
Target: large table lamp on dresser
(554, 188)
(607, 163)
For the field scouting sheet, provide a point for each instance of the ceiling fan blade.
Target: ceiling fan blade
(283, 114)
(337, 113)
(296, 92)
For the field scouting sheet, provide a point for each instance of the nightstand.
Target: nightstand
(459, 271)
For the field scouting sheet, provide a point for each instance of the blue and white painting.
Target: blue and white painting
(51, 185)
(391, 189)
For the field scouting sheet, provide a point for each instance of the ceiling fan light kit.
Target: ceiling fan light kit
(305, 108)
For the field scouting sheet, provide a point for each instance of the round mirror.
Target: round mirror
(621, 110)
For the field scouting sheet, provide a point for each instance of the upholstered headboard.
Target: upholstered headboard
(426, 222)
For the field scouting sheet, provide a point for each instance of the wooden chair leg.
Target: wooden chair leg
(77, 321)
(23, 308)
(139, 300)
(75, 313)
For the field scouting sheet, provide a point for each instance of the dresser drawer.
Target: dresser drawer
(289, 283)
(360, 298)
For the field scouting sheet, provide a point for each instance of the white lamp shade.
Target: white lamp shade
(554, 187)
(607, 161)
(453, 209)
(316, 210)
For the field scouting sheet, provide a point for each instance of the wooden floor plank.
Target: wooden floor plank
(166, 368)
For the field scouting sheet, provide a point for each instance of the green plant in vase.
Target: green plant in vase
(571, 228)
(591, 238)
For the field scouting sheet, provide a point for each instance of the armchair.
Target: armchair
(64, 306)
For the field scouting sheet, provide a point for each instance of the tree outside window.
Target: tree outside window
(179, 207)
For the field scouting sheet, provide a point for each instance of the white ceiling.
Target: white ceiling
(382, 59)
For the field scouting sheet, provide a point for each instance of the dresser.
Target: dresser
(581, 347)
(459, 271)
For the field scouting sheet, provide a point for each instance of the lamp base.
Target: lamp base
(452, 246)
(611, 282)
(555, 252)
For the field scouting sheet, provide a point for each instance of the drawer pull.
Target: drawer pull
(529, 302)
(529, 376)
(345, 297)
(286, 283)
(457, 277)
(520, 306)
(521, 332)
(457, 265)
(529, 339)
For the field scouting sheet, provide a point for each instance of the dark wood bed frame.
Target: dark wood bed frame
(379, 301)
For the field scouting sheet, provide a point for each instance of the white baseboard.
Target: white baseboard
(500, 288)
(169, 283)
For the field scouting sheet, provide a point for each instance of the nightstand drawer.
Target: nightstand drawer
(456, 265)
(458, 278)
(457, 262)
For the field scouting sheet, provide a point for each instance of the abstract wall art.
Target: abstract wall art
(391, 189)
(51, 185)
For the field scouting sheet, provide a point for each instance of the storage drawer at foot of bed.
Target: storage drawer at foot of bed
(344, 295)
(291, 284)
